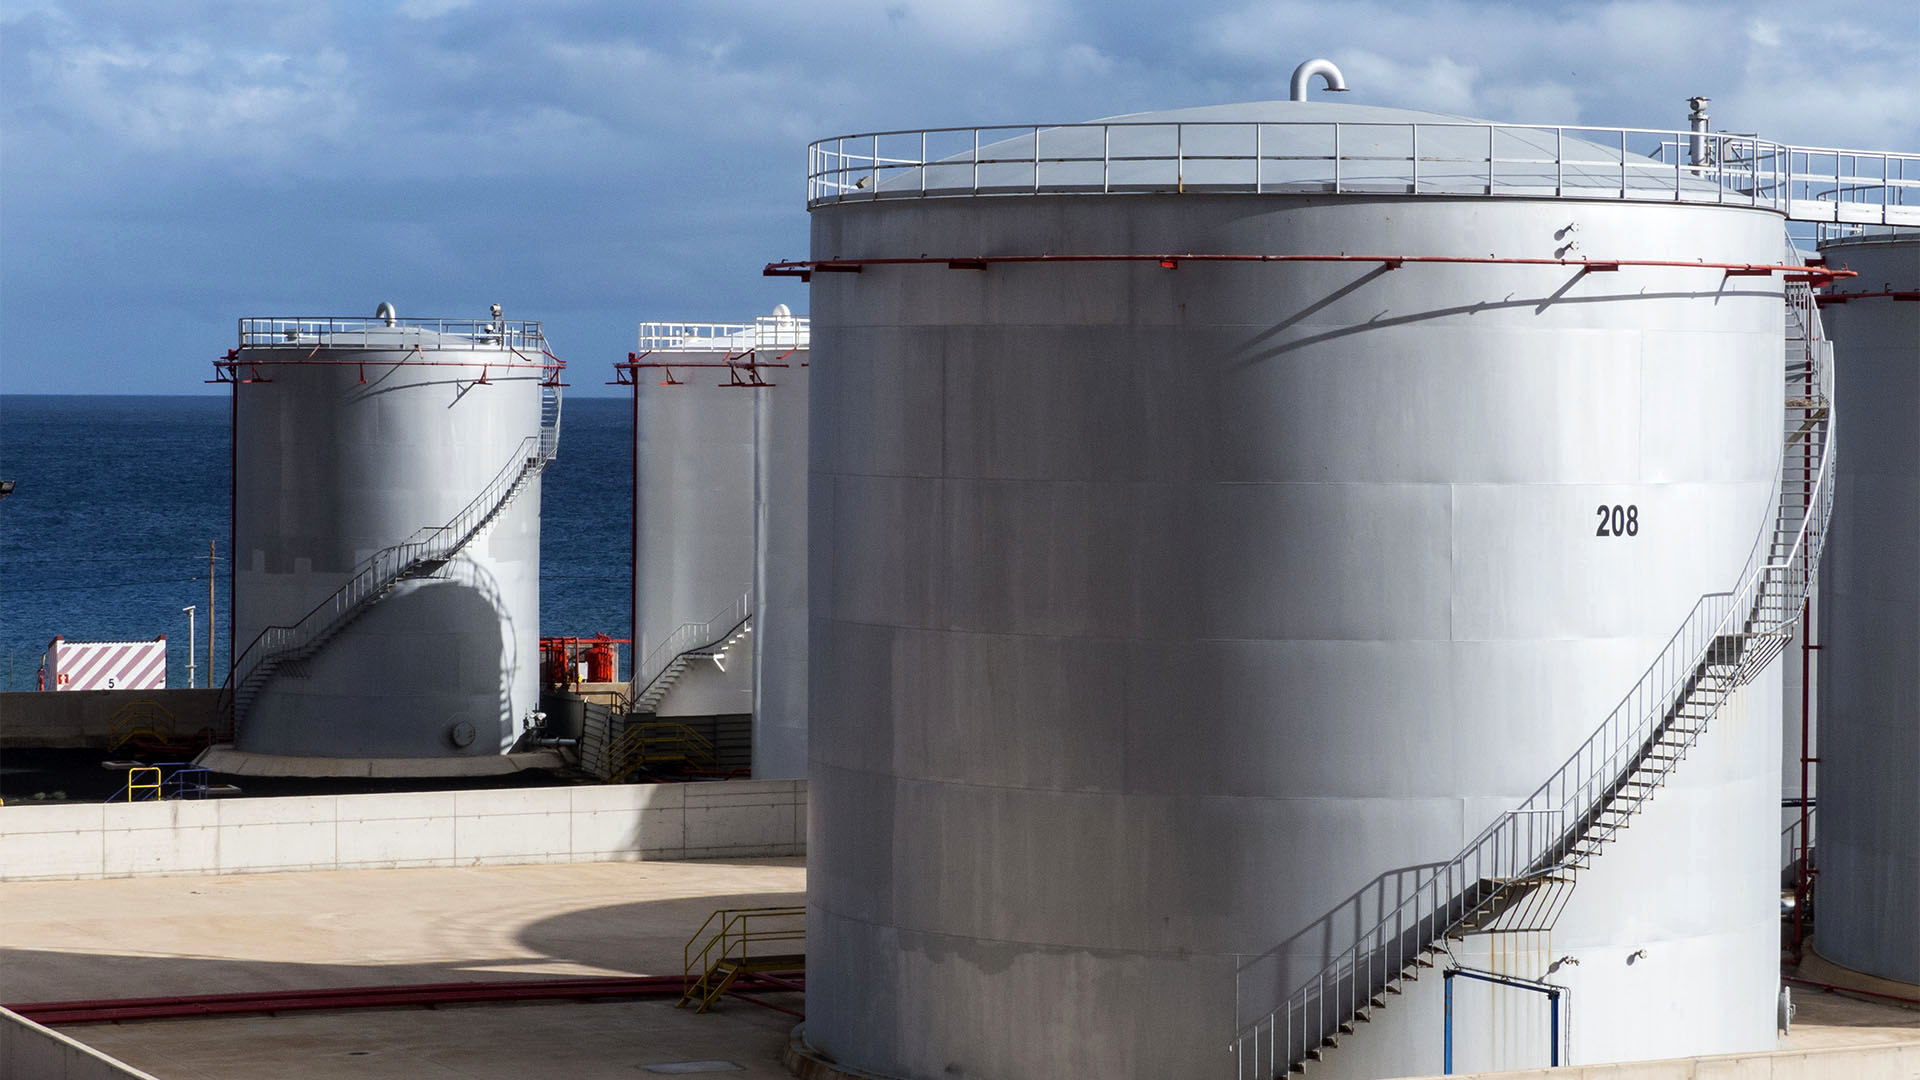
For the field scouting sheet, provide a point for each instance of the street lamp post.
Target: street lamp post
(189, 610)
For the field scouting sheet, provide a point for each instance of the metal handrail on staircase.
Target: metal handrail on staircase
(1724, 642)
(720, 954)
(646, 742)
(425, 551)
(691, 639)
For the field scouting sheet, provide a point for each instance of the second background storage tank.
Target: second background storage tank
(720, 450)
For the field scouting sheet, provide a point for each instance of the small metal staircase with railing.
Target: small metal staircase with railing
(282, 649)
(733, 944)
(596, 739)
(1727, 640)
(659, 744)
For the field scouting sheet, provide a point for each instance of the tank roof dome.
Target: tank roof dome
(1274, 147)
(1288, 112)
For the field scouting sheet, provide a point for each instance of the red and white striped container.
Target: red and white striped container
(107, 665)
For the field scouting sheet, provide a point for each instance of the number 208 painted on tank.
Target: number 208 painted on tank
(1617, 520)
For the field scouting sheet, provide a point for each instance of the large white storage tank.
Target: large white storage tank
(386, 530)
(720, 445)
(780, 552)
(1172, 606)
(1868, 889)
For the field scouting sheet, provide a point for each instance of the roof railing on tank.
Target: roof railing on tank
(1355, 157)
(1587, 801)
(345, 332)
(765, 332)
(1860, 187)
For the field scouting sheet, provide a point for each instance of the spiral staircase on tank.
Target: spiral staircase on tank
(1541, 846)
(285, 649)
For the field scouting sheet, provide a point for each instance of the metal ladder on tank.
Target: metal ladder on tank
(1727, 640)
(278, 649)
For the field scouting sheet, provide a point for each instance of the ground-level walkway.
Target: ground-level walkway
(153, 937)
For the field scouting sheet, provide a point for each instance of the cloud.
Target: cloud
(977, 24)
(189, 94)
(1764, 33)
(431, 9)
(1623, 63)
(193, 161)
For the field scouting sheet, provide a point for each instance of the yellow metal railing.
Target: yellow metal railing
(659, 742)
(739, 931)
(136, 718)
(144, 778)
(716, 955)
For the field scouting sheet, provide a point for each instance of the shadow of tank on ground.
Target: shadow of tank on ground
(159, 937)
(79, 774)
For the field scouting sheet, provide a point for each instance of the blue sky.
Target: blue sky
(168, 168)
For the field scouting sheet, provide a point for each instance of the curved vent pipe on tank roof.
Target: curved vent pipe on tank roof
(385, 311)
(1304, 74)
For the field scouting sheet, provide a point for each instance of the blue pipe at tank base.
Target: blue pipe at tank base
(1553, 1011)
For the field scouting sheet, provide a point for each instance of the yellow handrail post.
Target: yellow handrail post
(152, 784)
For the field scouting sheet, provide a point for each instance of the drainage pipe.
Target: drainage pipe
(385, 997)
(1833, 989)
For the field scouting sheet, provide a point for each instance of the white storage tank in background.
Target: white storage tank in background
(1867, 914)
(386, 526)
(1173, 603)
(780, 551)
(719, 550)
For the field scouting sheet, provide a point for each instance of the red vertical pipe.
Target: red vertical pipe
(233, 510)
(633, 539)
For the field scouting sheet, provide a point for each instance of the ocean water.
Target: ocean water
(116, 499)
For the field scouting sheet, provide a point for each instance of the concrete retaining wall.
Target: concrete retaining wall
(85, 718)
(31, 1052)
(1885, 1061)
(737, 818)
